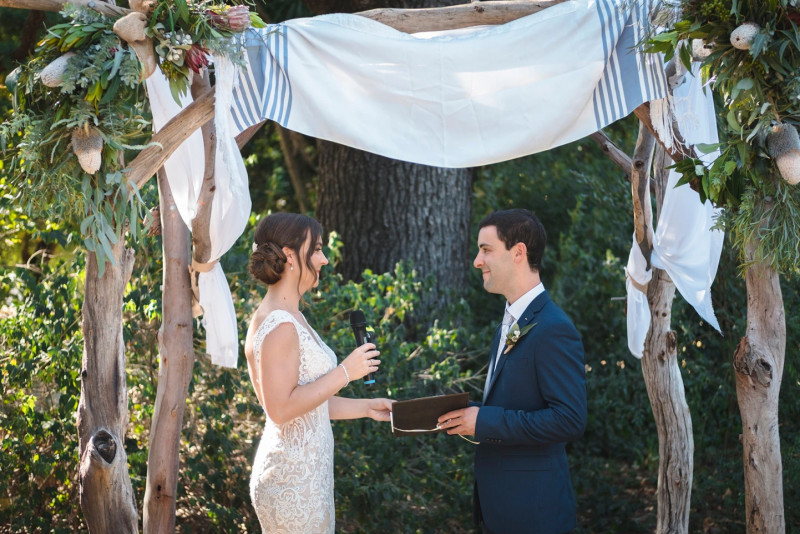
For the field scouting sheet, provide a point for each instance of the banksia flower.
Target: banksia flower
(87, 144)
(53, 74)
(701, 50)
(783, 144)
(743, 36)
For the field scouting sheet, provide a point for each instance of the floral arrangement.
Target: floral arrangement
(80, 109)
(749, 52)
(185, 33)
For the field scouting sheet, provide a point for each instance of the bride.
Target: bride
(296, 379)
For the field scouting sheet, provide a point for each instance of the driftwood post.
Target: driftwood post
(662, 375)
(758, 363)
(176, 359)
(106, 495)
(176, 353)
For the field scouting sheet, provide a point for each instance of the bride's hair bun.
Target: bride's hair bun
(277, 232)
(267, 263)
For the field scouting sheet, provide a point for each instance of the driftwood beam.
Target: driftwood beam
(459, 16)
(169, 138)
(57, 5)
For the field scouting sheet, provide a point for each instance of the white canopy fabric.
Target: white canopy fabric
(684, 244)
(456, 98)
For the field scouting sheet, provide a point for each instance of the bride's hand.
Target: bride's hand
(362, 361)
(379, 409)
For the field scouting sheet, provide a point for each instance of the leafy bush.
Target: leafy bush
(40, 355)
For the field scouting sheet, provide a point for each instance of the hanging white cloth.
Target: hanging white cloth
(684, 244)
(458, 98)
(230, 209)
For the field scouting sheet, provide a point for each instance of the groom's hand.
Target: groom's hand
(460, 421)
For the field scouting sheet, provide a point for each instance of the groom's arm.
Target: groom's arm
(561, 381)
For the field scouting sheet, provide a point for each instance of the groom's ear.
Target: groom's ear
(519, 252)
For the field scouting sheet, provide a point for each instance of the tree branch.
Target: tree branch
(613, 152)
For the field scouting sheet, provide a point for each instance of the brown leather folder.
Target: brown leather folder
(420, 416)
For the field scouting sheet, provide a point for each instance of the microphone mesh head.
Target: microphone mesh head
(357, 317)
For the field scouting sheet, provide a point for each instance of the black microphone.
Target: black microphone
(359, 325)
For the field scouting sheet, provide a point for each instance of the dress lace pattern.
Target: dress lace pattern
(291, 485)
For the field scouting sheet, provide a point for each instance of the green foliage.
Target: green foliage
(757, 88)
(40, 354)
(101, 98)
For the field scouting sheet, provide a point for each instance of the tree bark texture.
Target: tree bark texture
(665, 390)
(758, 364)
(176, 361)
(660, 367)
(640, 191)
(201, 237)
(106, 495)
(387, 210)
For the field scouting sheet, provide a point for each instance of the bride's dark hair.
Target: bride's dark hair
(268, 262)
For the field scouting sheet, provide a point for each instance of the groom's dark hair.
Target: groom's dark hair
(519, 226)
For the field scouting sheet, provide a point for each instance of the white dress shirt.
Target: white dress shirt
(516, 310)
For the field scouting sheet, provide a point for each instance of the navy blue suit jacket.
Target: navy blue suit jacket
(534, 404)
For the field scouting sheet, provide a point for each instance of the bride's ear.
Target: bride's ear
(289, 253)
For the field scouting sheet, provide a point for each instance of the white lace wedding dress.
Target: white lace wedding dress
(292, 481)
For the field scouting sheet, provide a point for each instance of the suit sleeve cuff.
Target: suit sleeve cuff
(485, 424)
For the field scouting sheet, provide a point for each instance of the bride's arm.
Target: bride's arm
(344, 408)
(279, 373)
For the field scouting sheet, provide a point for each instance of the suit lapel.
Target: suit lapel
(490, 379)
(527, 317)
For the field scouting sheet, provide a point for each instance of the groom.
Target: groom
(534, 401)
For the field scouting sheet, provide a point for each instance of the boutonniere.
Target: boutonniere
(515, 333)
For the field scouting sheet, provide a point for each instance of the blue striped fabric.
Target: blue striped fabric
(617, 95)
(264, 90)
(456, 99)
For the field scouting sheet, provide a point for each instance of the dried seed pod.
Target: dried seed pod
(142, 6)
(131, 29)
(53, 73)
(701, 49)
(783, 144)
(87, 144)
(743, 36)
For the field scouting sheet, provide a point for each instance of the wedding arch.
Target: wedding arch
(610, 78)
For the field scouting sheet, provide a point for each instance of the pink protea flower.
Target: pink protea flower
(238, 18)
(196, 58)
(235, 18)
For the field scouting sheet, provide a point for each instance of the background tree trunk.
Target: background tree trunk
(660, 366)
(387, 210)
(758, 363)
(106, 496)
(174, 372)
